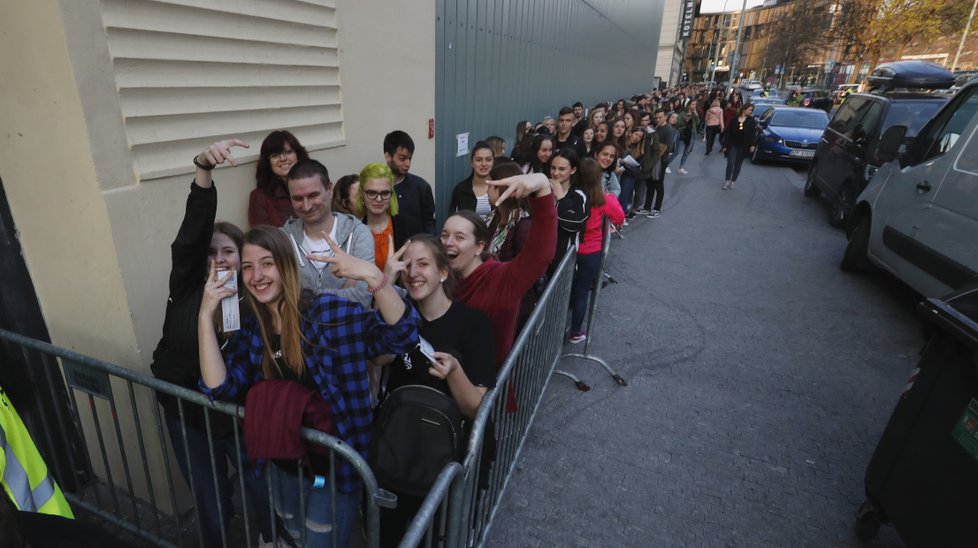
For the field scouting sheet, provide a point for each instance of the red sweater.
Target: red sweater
(496, 288)
(269, 209)
(591, 242)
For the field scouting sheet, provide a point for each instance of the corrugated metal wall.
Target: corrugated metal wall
(502, 61)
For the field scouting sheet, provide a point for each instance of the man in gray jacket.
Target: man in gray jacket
(312, 195)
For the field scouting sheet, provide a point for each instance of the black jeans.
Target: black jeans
(655, 189)
(735, 158)
(711, 135)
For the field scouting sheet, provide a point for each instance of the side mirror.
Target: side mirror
(889, 144)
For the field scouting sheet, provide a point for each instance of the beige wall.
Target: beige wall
(95, 238)
(666, 58)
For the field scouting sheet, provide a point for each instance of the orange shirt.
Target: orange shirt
(382, 244)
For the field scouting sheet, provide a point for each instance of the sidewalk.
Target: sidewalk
(759, 379)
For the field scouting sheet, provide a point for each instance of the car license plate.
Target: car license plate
(803, 153)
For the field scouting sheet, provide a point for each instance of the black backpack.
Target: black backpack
(418, 430)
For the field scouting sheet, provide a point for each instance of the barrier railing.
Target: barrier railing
(471, 501)
(124, 473)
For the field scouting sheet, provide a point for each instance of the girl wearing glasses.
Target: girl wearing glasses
(738, 141)
(376, 205)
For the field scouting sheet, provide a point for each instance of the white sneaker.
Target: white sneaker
(683, 171)
(668, 170)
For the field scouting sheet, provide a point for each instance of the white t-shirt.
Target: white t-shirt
(318, 246)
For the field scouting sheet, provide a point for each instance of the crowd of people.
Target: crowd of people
(346, 293)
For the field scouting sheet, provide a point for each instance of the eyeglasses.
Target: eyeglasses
(382, 195)
(276, 156)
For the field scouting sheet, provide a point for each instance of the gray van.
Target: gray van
(918, 217)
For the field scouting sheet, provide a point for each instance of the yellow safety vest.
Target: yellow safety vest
(23, 474)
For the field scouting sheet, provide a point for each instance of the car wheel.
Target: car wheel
(841, 206)
(854, 259)
(811, 189)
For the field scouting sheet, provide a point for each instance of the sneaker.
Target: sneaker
(625, 222)
(577, 337)
(641, 211)
(668, 170)
(653, 214)
(630, 216)
(683, 171)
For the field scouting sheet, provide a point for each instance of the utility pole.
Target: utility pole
(967, 27)
(735, 66)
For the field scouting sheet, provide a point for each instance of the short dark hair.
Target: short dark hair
(398, 139)
(309, 168)
(578, 104)
(565, 110)
(658, 110)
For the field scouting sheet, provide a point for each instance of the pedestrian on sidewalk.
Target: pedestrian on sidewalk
(714, 124)
(738, 140)
(687, 122)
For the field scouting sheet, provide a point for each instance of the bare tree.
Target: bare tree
(796, 36)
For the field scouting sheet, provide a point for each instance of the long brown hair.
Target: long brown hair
(591, 174)
(290, 334)
(274, 142)
(442, 262)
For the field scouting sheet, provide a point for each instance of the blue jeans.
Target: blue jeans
(205, 495)
(588, 268)
(627, 192)
(320, 505)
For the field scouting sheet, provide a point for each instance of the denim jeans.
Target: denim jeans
(627, 192)
(735, 158)
(588, 267)
(205, 496)
(711, 135)
(320, 505)
(687, 148)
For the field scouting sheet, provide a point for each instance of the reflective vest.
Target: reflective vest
(23, 474)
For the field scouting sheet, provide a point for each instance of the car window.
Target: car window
(850, 114)
(949, 125)
(814, 119)
(866, 126)
(911, 114)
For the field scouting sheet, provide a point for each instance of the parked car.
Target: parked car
(816, 98)
(789, 134)
(918, 218)
(763, 104)
(846, 157)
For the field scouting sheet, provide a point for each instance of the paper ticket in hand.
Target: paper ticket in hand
(426, 349)
(230, 310)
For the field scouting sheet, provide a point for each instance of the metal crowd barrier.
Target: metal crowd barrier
(460, 513)
(124, 471)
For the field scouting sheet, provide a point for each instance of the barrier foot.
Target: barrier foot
(611, 372)
(577, 382)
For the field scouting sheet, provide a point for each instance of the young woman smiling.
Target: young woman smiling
(496, 287)
(269, 203)
(376, 204)
(606, 154)
(572, 202)
(472, 193)
(322, 342)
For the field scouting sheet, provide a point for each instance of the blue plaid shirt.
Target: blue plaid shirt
(342, 336)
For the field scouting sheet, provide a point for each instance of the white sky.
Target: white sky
(716, 6)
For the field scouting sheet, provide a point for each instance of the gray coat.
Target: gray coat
(353, 237)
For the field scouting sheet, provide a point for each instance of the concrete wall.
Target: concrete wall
(667, 56)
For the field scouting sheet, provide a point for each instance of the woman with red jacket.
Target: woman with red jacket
(589, 251)
(496, 287)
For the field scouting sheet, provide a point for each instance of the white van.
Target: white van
(918, 217)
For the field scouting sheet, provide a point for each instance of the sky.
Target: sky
(716, 6)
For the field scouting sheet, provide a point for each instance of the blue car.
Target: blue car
(789, 134)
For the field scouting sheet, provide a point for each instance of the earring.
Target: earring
(443, 280)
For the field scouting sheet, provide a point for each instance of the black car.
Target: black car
(845, 159)
(817, 98)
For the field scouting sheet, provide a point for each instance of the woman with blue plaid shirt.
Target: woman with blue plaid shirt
(321, 341)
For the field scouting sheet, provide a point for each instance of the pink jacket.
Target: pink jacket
(591, 242)
(714, 117)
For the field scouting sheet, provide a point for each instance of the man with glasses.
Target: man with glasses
(311, 193)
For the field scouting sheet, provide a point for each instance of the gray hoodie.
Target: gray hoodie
(353, 237)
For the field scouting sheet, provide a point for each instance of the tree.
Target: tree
(796, 35)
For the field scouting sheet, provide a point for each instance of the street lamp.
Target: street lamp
(716, 61)
(740, 33)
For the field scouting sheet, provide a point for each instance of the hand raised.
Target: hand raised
(522, 185)
(220, 152)
(215, 290)
(395, 266)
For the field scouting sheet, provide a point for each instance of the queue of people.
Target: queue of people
(347, 294)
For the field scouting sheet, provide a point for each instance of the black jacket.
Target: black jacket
(733, 135)
(462, 196)
(414, 199)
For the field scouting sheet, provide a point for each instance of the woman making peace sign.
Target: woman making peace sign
(321, 341)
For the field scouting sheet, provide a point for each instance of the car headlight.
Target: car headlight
(775, 139)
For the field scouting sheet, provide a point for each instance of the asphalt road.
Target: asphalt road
(759, 375)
